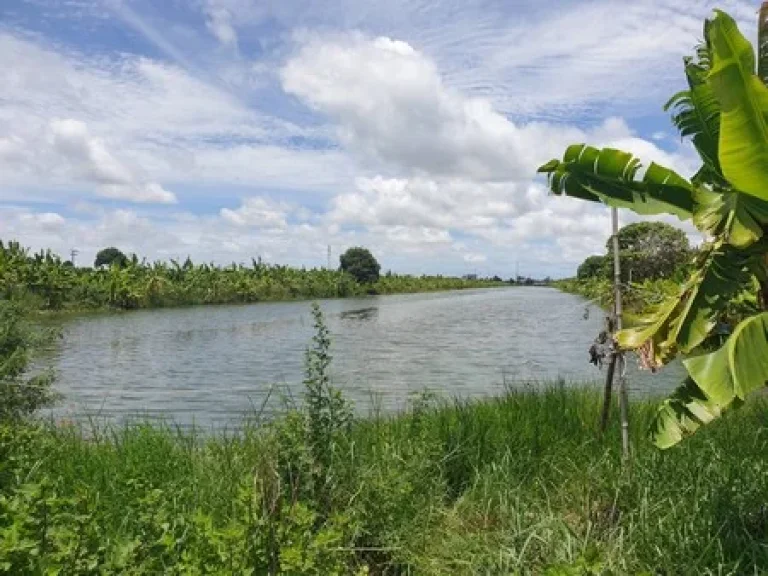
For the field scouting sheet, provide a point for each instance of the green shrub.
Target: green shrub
(20, 396)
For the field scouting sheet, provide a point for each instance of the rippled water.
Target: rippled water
(209, 365)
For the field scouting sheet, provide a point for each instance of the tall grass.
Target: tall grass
(520, 483)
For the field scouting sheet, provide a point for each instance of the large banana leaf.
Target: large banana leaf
(684, 321)
(743, 101)
(739, 218)
(738, 368)
(717, 381)
(610, 176)
(682, 414)
(696, 113)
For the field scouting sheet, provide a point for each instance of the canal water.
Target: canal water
(212, 365)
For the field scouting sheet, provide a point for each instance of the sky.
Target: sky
(227, 130)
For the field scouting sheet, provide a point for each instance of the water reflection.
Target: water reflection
(363, 314)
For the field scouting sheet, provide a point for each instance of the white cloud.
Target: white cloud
(45, 220)
(136, 127)
(219, 22)
(391, 104)
(474, 258)
(258, 212)
(88, 158)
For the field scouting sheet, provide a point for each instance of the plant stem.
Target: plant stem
(623, 396)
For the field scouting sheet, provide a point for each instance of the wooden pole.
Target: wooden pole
(617, 311)
(607, 392)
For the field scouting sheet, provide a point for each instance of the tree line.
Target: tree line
(120, 281)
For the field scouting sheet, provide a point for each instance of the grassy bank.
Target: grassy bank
(514, 484)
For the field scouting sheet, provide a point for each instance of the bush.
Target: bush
(20, 396)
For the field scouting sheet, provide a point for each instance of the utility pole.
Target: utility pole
(73, 254)
(329, 256)
(623, 395)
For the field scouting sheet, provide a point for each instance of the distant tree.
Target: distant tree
(592, 267)
(647, 250)
(361, 265)
(652, 250)
(109, 256)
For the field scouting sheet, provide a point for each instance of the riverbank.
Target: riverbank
(47, 283)
(519, 483)
(637, 298)
(416, 285)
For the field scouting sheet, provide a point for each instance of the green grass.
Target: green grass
(515, 484)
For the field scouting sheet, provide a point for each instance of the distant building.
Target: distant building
(470, 276)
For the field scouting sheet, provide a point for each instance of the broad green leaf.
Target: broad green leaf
(739, 218)
(717, 381)
(683, 322)
(682, 414)
(743, 101)
(738, 368)
(610, 176)
(696, 113)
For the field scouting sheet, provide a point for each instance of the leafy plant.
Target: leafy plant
(725, 113)
(328, 413)
(20, 396)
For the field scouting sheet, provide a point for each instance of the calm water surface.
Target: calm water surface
(209, 365)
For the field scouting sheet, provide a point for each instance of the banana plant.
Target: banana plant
(724, 344)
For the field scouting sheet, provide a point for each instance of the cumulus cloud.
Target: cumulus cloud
(258, 212)
(391, 103)
(45, 220)
(89, 159)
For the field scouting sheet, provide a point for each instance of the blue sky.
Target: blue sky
(226, 129)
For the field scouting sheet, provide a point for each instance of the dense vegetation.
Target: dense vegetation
(718, 319)
(647, 251)
(126, 283)
(655, 259)
(637, 297)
